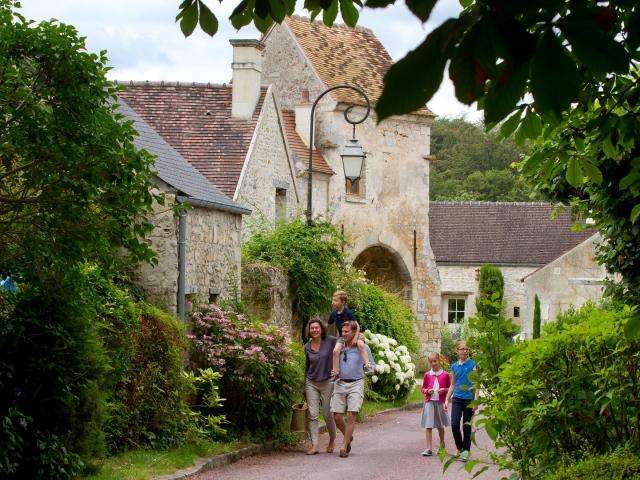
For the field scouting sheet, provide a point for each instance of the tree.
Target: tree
(491, 287)
(72, 185)
(536, 317)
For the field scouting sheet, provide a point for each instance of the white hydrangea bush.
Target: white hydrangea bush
(394, 375)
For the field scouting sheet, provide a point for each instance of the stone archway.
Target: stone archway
(385, 268)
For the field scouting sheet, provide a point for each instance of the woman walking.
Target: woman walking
(318, 353)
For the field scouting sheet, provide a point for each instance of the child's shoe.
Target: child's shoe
(427, 453)
(464, 456)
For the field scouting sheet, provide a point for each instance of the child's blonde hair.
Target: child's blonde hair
(433, 356)
(461, 343)
(342, 296)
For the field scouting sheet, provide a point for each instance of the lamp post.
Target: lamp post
(352, 153)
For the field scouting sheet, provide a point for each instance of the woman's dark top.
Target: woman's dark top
(318, 364)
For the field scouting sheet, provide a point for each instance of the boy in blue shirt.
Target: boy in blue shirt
(461, 399)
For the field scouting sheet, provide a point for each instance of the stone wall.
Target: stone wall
(572, 279)
(267, 169)
(266, 295)
(212, 255)
(460, 281)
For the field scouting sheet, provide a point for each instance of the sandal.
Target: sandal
(344, 453)
(329, 448)
(349, 446)
(312, 451)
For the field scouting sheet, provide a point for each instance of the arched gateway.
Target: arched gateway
(386, 269)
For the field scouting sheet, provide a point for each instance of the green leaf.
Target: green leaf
(629, 180)
(481, 471)
(632, 327)
(635, 213)
(208, 21)
(465, 3)
(468, 466)
(531, 127)
(505, 91)
(593, 172)
(574, 172)
(510, 125)
(242, 15)
(608, 148)
(592, 46)
(421, 8)
(189, 19)
(330, 14)
(414, 79)
(379, 3)
(262, 24)
(555, 80)
(349, 12)
(277, 10)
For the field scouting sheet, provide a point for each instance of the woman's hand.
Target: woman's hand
(442, 390)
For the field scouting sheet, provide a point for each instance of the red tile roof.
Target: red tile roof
(345, 55)
(318, 163)
(195, 119)
(473, 233)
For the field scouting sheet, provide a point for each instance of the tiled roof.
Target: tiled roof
(318, 163)
(174, 170)
(345, 55)
(195, 119)
(472, 233)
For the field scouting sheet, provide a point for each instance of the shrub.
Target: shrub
(490, 286)
(537, 320)
(567, 388)
(150, 407)
(51, 369)
(620, 465)
(395, 374)
(261, 369)
(380, 311)
(312, 256)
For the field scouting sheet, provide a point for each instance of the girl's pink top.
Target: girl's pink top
(444, 381)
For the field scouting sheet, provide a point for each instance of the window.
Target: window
(352, 188)
(455, 310)
(281, 204)
(516, 312)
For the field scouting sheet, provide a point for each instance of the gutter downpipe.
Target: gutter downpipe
(182, 260)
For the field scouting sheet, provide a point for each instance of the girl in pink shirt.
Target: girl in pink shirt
(435, 385)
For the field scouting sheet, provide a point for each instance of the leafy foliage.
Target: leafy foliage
(380, 311)
(72, 185)
(471, 164)
(394, 375)
(622, 464)
(311, 255)
(579, 381)
(261, 369)
(491, 287)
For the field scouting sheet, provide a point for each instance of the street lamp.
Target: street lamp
(352, 153)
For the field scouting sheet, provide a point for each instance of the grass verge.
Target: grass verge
(371, 408)
(146, 464)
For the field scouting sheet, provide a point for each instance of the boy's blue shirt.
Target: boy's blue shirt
(461, 373)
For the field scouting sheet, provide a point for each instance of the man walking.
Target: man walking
(348, 392)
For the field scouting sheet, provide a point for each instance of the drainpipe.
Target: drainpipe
(182, 260)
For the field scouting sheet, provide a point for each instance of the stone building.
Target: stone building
(530, 247)
(232, 134)
(572, 279)
(384, 215)
(208, 228)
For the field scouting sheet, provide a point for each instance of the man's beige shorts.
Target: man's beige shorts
(347, 396)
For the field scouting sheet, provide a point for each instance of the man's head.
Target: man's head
(339, 300)
(349, 330)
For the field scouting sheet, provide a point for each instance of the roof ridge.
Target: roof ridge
(162, 83)
(357, 28)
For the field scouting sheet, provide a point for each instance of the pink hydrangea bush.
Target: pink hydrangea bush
(261, 368)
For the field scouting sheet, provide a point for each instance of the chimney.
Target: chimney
(303, 116)
(247, 70)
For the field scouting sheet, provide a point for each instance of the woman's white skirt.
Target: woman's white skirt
(433, 415)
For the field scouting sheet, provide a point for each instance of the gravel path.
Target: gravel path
(386, 447)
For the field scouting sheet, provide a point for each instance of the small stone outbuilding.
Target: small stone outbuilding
(526, 240)
(207, 268)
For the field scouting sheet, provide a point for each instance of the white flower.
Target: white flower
(396, 367)
(397, 387)
(387, 369)
(400, 377)
(379, 368)
(374, 378)
(393, 341)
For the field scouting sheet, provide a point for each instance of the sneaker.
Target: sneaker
(464, 456)
(457, 454)
(427, 453)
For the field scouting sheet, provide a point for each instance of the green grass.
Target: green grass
(145, 464)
